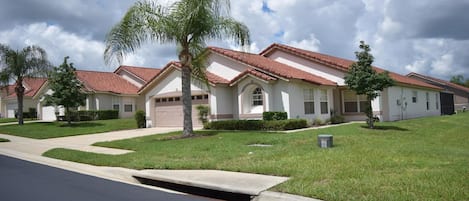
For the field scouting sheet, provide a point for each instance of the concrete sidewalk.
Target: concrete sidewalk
(80, 142)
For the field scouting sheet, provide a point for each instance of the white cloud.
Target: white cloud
(84, 52)
(312, 43)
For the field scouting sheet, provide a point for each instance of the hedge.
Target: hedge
(90, 115)
(269, 116)
(288, 124)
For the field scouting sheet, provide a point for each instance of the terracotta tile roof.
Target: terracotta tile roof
(215, 79)
(146, 74)
(340, 63)
(269, 66)
(106, 82)
(253, 72)
(443, 82)
(31, 84)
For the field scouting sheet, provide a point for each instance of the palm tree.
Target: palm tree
(188, 24)
(16, 65)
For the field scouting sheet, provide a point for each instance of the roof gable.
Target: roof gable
(32, 86)
(439, 81)
(142, 73)
(340, 63)
(270, 67)
(106, 82)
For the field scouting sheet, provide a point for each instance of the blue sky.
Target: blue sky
(429, 37)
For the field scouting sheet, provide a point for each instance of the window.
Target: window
(177, 99)
(257, 97)
(308, 101)
(427, 97)
(115, 107)
(127, 108)
(414, 96)
(350, 102)
(354, 103)
(323, 100)
(437, 103)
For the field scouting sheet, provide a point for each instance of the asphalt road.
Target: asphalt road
(26, 181)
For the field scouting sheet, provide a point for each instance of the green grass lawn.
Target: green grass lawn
(8, 120)
(44, 130)
(419, 159)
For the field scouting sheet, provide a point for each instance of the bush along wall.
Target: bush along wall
(272, 125)
(91, 115)
(269, 116)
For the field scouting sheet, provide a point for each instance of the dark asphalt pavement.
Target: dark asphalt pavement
(26, 181)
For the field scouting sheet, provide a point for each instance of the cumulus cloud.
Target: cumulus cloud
(429, 37)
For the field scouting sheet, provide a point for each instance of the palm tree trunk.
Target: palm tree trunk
(187, 101)
(19, 89)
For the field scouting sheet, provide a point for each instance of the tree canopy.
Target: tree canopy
(188, 24)
(364, 80)
(67, 89)
(15, 65)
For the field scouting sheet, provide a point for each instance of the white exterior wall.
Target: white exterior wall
(308, 66)
(281, 97)
(297, 109)
(407, 109)
(221, 102)
(224, 67)
(132, 79)
(245, 88)
(170, 83)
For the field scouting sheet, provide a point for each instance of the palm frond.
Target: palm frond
(143, 22)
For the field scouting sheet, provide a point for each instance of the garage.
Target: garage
(168, 111)
(48, 113)
(11, 110)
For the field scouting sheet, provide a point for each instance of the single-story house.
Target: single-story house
(116, 90)
(34, 88)
(454, 97)
(302, 83)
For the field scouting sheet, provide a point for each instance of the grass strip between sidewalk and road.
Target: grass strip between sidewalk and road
(4, 140)
(418, 159)
(45, 130)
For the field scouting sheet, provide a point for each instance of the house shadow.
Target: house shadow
(393, 128)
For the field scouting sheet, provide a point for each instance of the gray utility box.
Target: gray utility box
(325, 141)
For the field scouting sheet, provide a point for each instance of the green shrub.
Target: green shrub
(269, 116)
(203, 113)
(288, 124)
(91, 115)
(318, 122)
(337, 119)
(140, 118)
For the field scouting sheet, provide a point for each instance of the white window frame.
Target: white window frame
(308, 97)
(257, 98)
(415, 96)
(323, 98)
(131, 107)
(358, 100)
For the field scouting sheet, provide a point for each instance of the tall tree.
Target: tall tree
(457, 79)
(67, 89)
(15, 65)
(186, 23)
(364, 80)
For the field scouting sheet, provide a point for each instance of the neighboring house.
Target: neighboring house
(34, 88)
(454, 97)
(106, 91)
(302, 83)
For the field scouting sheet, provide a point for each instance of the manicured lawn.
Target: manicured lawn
(8, 120)
(420, 159)
(44, 130)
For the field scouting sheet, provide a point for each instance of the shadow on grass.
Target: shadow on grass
(394, 128)
(82, 125)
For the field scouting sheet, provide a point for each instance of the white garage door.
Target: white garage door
(11, 109)
(168, 111)
(48, 113)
